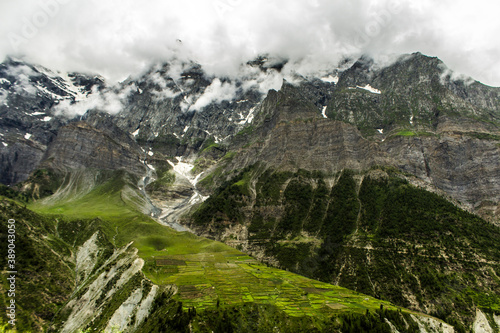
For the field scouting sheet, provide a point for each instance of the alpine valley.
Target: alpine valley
(366, 199)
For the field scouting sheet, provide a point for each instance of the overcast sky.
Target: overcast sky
(118, 38)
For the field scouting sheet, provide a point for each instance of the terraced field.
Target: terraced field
(234, 278)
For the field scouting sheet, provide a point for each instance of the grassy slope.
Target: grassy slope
(208, 272)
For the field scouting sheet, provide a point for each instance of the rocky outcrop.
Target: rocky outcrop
(120, 273)
(79, 145)
(18, 160)
(457, 163)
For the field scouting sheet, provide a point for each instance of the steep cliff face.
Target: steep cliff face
(463, 165)
(18, 159)
(83, 157)
(412, 93)
(79, 145)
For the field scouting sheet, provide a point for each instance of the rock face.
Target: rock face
(411, 114)
(79, 146)
(19, 159)
(28, 121)
(459, 164)
(411, 93)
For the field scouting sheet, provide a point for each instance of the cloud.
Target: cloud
(163, 90)
(109, 101)
(216, 92)
(117, 38)
(23, 83)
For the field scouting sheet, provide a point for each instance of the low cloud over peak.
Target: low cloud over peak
(119, 38)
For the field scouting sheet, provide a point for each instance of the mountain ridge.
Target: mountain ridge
(302, 177)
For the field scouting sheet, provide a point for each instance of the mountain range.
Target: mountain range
(363, 199)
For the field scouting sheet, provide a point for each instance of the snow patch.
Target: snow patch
(47, 118)
(2, 81)
(197, 198)
(184, 169)
(49, 93)
(330, 79)
(150, 153)
(5, 144)
(150, 167)
(380, 130)
(72, 89)
(370, 89)
(36, 113)
(249, 118)
(411, 120)
(27, 136)
(136, 132)
(185, 129)
(323, 112)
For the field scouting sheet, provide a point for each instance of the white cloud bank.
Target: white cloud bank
(216, 92)
(109, 101)
(117, 38)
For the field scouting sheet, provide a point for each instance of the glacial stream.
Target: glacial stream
(174, 208)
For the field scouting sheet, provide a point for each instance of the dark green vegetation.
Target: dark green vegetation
(372, 232)
(41, 183)
(252, 317)
(45, 272)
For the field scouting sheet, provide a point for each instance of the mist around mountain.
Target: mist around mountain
(364, 199)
